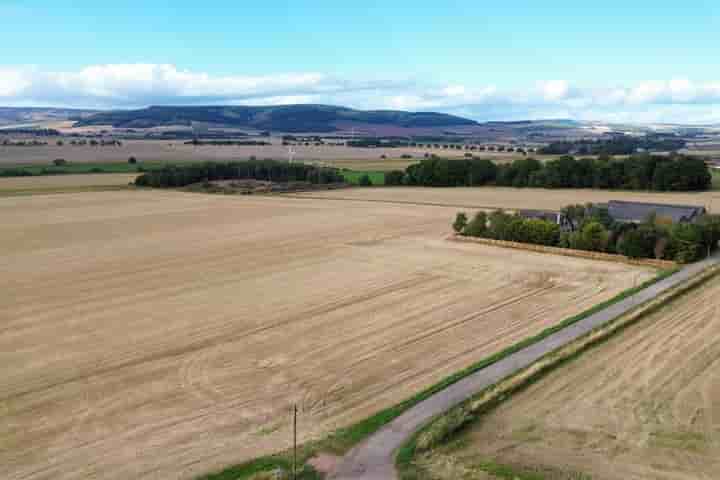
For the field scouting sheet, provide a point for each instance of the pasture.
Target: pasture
(161, 334)
(642, 405)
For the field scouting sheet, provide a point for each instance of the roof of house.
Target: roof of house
(637, 212)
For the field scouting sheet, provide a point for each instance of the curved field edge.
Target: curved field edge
(442, 430)
(342, 440)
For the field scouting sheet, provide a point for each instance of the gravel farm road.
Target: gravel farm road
(374, 459)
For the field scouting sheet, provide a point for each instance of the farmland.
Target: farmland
(514, 198)
(177, 151)
(642, 405)
(156, 334)
(64, 183)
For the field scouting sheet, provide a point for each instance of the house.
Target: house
(637, 212)
(549, 216)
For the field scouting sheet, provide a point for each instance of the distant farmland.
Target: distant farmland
(514, 198)
(64, 183)
(177, 151)
(157, 334)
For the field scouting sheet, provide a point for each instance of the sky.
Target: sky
(626, 61)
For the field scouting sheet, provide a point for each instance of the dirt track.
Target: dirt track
(163, 335)
(644, 405)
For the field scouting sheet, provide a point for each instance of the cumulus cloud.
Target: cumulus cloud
(137, 85)
(140, 84)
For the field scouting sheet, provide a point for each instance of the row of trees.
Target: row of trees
(270, 170)
(594, 230)
(638, 172)
(618, 145)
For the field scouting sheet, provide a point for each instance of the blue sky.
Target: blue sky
(630, 61)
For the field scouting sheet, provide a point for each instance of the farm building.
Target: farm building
(636, 212)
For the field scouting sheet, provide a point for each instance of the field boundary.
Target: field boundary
(443, 427)
(568, 252)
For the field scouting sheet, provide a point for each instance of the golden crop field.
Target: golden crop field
(157, 334)
(514, 198)
(643, 405)
(64, 183)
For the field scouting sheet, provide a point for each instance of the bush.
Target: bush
(395, 177)
(132, 160)
(478, 226)
(460, 222)
(365, 181)
(58, 162)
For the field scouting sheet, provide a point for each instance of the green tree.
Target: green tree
(365, 181)
(478, 226)
(460, 222)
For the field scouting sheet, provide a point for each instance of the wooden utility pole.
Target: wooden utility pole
(295, 442)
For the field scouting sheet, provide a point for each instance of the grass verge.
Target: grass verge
(342, 440)
(445, 427)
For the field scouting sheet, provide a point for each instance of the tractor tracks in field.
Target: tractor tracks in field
(374, 459)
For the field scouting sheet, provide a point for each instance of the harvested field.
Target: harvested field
(515, 198)
(643, 405)
(177, 151)
(156, 334)
(63, 183)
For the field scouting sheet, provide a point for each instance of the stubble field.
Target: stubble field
(64, 183)
(643, 405)
(177, 151)
(150, 334)
(513, 198)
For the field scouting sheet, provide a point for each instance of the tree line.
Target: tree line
(594, 230)
(618, 145)
(270, 170)
(638, 172)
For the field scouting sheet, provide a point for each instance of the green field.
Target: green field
(353, 177)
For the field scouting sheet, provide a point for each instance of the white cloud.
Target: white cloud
(137, 85)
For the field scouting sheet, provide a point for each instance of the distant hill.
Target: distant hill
(285, 118)
(21, 115)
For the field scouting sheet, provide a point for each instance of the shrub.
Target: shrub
(58, 162)
(478, 226)
(132, 160)
(365, 181)
(395, 177)
(460, 222)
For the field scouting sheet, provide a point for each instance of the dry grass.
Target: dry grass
(513, 198)
(152, 334)
(63, 183)
(642, 405)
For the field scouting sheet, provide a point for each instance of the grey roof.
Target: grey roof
(637, 212)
